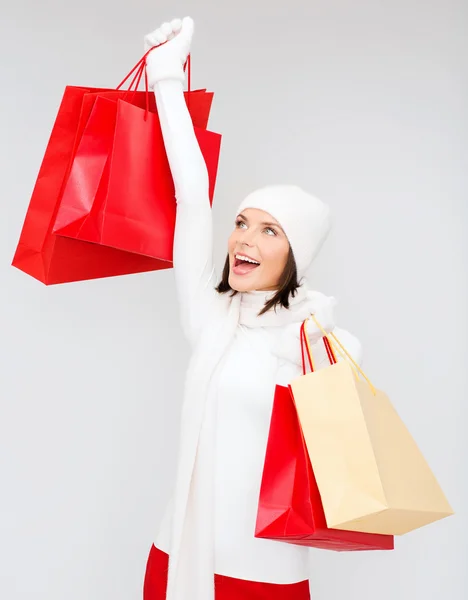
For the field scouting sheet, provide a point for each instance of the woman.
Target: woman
(244, 333)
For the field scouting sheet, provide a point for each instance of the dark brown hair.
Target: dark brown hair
(287, 285)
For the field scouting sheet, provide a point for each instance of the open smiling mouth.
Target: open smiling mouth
(244, 264)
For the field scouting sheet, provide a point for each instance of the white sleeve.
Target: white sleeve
(193, 242)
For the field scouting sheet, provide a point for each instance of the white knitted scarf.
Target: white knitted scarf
(191, 565)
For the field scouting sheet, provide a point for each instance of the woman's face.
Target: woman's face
(259, 237)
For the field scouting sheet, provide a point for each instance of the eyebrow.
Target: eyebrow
(263, 223)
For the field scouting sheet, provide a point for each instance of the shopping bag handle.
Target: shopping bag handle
(343, 352)
(138, 71)
(140, 67)
(305, 343)
(141, 64)
(329, 347)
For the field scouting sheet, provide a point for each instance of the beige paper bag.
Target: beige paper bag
(371, 475)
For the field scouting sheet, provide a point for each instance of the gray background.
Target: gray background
(362, 103)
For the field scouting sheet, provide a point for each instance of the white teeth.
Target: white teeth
(240, 257)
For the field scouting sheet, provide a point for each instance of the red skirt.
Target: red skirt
(226, 588)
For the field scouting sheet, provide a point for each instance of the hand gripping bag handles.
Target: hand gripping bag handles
(120, 191)
(290, 508)
(56, 259)
(371, 475)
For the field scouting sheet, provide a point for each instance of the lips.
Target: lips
(243, 267)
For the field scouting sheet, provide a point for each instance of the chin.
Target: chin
(240, 284)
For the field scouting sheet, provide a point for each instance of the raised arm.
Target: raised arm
(193, 243)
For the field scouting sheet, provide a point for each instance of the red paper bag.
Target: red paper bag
(53, 259)
(290, 508)
(120, 191)
(93, 147)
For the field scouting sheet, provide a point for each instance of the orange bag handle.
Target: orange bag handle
(345, 354)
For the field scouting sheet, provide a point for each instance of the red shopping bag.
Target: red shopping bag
(120, 191)
(290, 508)
(54, 259)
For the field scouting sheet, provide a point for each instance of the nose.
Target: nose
(247, 237)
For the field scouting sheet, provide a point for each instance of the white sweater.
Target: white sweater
(228, 421)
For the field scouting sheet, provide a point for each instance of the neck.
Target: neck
(252, 302)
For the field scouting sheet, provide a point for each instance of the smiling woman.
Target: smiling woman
(244, 332)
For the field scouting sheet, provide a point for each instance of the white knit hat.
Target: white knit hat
(306, 220)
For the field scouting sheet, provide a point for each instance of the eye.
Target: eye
(272, 231)
(239, 223)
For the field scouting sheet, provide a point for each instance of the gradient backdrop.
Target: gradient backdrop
(362, 103)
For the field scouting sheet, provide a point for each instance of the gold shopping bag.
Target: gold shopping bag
(371, 474)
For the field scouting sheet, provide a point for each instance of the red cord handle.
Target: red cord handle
(138, 71)
(328, 348)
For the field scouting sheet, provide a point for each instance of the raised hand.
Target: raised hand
(171, 46)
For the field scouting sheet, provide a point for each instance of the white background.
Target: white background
(362, 103)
